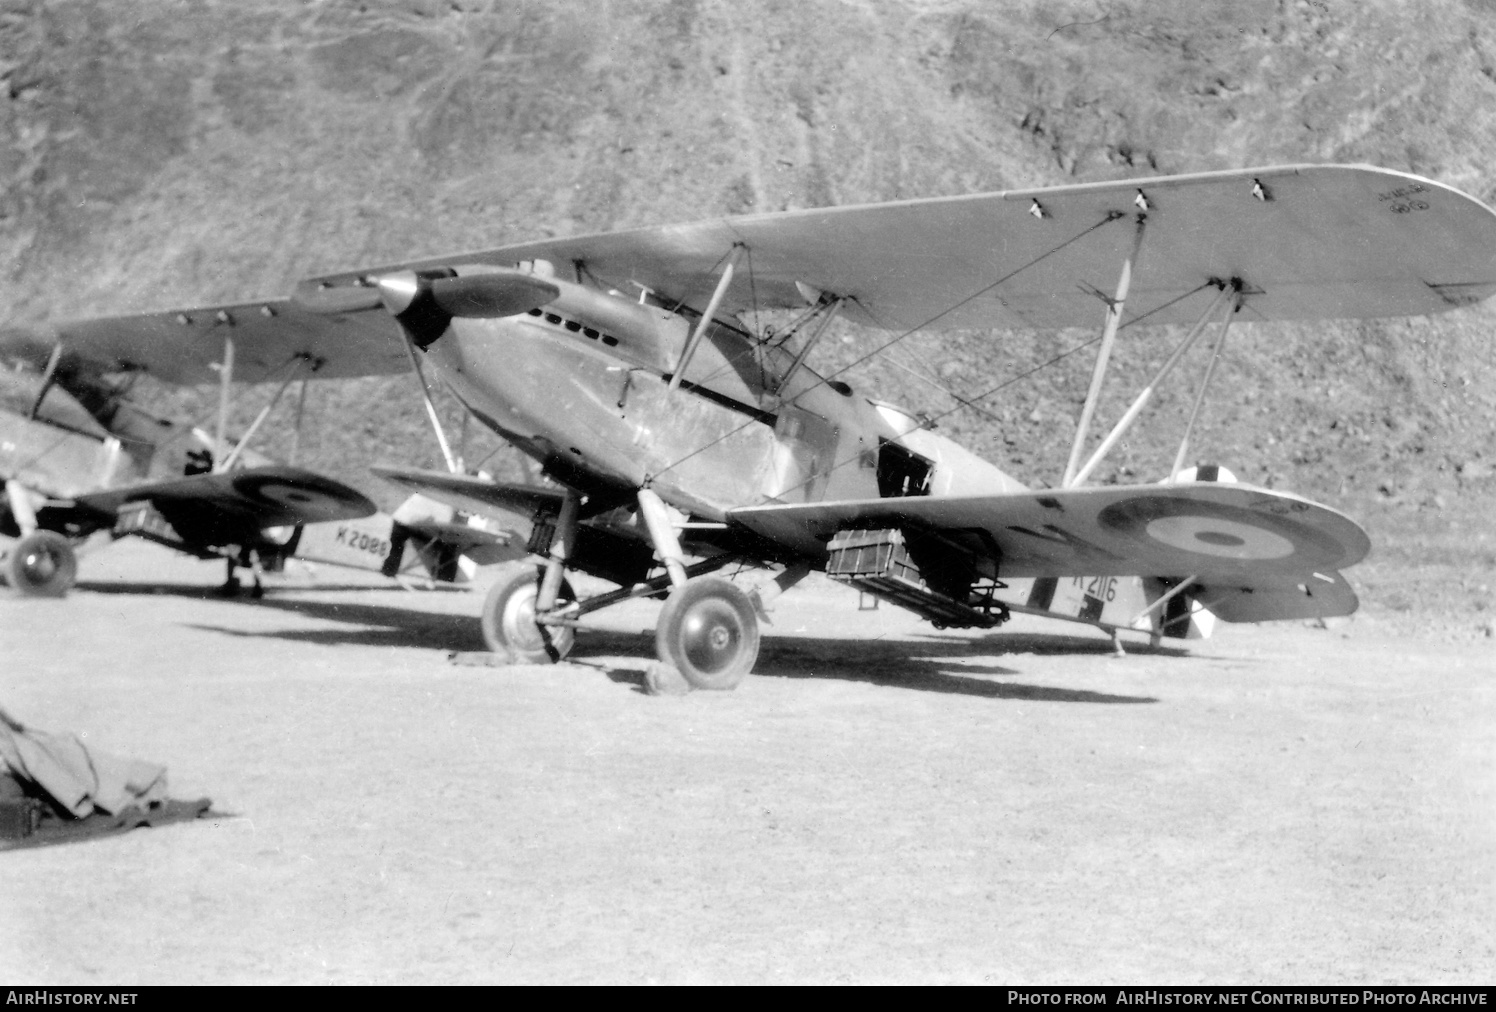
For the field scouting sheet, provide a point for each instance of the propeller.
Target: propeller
(425, 302)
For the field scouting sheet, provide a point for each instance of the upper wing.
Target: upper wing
(356, 338)
(1216, 532)
(1310, 241)
(220, 508)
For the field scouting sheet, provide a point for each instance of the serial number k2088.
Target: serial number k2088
(361, 541)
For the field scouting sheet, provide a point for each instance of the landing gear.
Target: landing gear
(709, 632)
(230, 587)
(509, 624)
(41, 564)
(708, 629)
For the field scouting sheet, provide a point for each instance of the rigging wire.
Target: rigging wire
(961, 402)
(1013, 379)
(177, 434)
(678, 304)
(935, 418)
(932, 381)
(1066, 354)
(823, 380)
(1111, 217)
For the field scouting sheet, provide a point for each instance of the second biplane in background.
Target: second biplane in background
(80, 458)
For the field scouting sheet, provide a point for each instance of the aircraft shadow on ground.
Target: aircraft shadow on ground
(370, 626)
(1051, 645)
(926, 663)
(361, 624)
(933, 666)
(453, 635)
(205, 592)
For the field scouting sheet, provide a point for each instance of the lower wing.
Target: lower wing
(1250, 554)
(481, 496)
(234, 506)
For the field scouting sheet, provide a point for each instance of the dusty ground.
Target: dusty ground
(881, 802)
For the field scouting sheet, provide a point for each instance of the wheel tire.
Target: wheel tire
(509, 624)
(41, 564)
(709, 632)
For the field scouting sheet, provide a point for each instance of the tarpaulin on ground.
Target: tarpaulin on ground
(80, 779)
(90, 792)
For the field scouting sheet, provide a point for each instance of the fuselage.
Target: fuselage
(583, 385)
(61, 449)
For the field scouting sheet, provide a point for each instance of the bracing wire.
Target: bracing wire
(1011, 380)
(177, 434)
(1111, 217)
(822, 380)
(1066, 354)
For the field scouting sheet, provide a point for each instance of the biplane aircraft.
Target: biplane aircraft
(80, 458)
(681, 441)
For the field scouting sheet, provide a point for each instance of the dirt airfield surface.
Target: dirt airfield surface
(879, 802)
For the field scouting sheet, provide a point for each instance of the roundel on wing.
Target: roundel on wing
(1208, 533)
(306, 497)
(1219, 536)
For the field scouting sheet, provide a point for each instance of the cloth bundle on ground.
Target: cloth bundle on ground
(81, 791)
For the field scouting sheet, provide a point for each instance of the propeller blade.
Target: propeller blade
(486, 296)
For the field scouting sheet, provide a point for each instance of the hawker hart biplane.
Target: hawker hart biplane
(79, 457)
(681, 441)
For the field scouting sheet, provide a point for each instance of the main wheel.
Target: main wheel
(708, 630)
(509, 624)
(41, 564)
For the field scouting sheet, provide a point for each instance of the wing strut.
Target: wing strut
(49, 377)
(225, 396)
(1229, 293)
(831, 309)
(436, 424)
(300, 412)
(1114, 308)
(1164, 599)
(1215, 355)
(706, 318)
(254, 426)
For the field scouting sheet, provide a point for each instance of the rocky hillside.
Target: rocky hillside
(162, 152)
